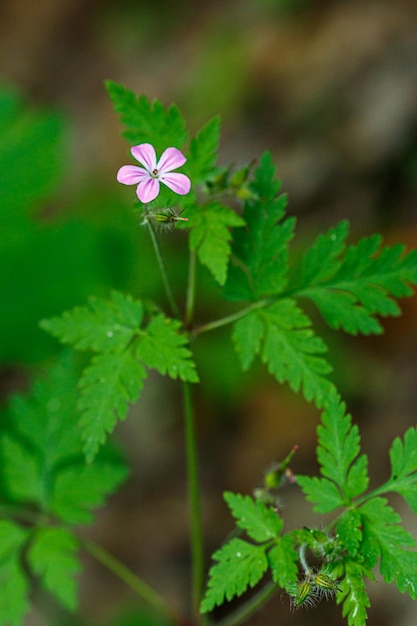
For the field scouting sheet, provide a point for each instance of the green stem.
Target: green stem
(382, 489)
(20, 514)
(303, 560)
(234, 317)
(230, 319)
(141, 588)
(189, 305)
(196, 534)
(162, 267)
(250, 607)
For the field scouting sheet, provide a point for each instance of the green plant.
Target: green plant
(57, 467)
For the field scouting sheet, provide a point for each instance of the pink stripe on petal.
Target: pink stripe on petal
(145, 154)
(180, 183)
(131, 174)
(148, 190)
(170, 159)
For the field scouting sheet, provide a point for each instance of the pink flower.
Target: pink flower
(153, 173)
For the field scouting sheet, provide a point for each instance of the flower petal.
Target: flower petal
(148, 190)
(131, 174)
(170, 159)
(145, 154)
(180, 183)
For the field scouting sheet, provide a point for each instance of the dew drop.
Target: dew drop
(238, 554)
(109, 334)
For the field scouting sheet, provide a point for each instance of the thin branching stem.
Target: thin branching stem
(191, 290)
(234, 317)
(382, 490)
(196, 533)
(163, 270)
(140, 587)
(244, 612)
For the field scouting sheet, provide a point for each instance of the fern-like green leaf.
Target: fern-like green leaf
(147, 121)
(164, 348)
(322, 492)
(52, 557)
(403, 456)
(108, 385)
(115, 329)
(46, 417)
(352, 286)
(41, 452)
(283, 561)
(210, 236)
(339, 441)
(14, 593)
(282, 335)
(339, 448)
(260, 253)
(103, 326)
(322, 260)
(240, 565)
(80, 489)
(248, 335)
(41, 443)
(386, 539)
(21, 470)
(13, 537)
(260, 522)
(338, 454)
(353, 595)
(341, 310)
(349, 530)
(14, 588)
(202, 153)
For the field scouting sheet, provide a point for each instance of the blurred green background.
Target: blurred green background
(330, 89)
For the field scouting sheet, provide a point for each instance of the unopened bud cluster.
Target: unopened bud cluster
(309, 591)
(164, 218)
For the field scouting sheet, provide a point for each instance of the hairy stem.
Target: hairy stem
(244, 612)
(196, 535)
(189, 305)
(303, 560)
(163, 270)
(142, 589)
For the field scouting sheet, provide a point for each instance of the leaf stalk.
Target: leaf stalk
(163, 270)
(196, 534)
(139, 586)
